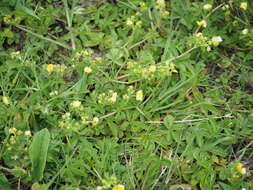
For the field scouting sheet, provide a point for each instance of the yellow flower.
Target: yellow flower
(53, 93)
(119, 187)
(240, 168)
(216, 40)
(152, 68)
(199, 34)
(49, 68)
(139, 24)
(15, 157)
(114, 97)
(129, 22)
(244, 5)
(160, 4)
(139, 95)
(28, 133)
(225, 7)
(202, 23)
(5, 100)
(66, 116)
(243, 171)
(7, 19)
(85, 53)
(138, 14)
(61, 124)
(76, 104)
(142, 4)
(13, 139)
(165, 14)
(207, 7)
(87, 70)
(126, 97)
(15, 54)
(245, 31)
(12, 130)
(95, 121)
(93, 181)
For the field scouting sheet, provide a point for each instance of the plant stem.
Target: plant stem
(69, 21)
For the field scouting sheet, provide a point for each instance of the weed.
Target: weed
(126, 94)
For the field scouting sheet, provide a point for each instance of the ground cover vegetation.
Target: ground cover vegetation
(126, 94)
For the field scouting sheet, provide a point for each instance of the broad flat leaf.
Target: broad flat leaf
(38, 153)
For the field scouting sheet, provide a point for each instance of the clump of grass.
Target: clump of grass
(126, 95)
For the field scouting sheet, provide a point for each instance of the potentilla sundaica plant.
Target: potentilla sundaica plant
(121, 95)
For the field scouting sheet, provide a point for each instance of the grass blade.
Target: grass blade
(44, 38)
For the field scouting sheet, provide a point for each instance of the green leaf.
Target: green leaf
(114, 128)
(22, 9)
(38, 153)
(91, 38)
(114, 54)
(4, 183)
(37, 186)
(80, 85)
(168, 120)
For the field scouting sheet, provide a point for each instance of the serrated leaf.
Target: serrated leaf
(114, 128)
(168, 120)
(114, 54)
(38, 153)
